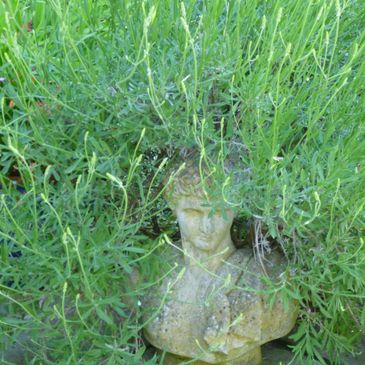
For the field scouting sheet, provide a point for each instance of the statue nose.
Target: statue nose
(206, 225)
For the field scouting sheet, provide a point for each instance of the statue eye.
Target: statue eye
(193, 211)
(221, 214)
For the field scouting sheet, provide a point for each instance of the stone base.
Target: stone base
(252, 358)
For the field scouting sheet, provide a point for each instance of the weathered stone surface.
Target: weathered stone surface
(359, 358)
(212, 307)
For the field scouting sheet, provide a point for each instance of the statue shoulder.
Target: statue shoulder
(243, 273)
(234, 266)
(272, 263)
(241, 256)
(237, 262)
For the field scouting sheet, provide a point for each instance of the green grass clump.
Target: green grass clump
(99, 100)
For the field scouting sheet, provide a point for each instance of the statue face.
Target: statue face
(199, 227)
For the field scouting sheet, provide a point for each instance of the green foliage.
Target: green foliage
(99, 100)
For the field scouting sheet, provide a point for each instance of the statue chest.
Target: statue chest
(181, 317)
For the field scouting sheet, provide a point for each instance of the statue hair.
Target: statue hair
(185, 183)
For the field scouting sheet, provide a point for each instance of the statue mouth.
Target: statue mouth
(205, 237)
(203, 242)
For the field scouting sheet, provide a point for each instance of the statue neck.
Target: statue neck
(207, 260)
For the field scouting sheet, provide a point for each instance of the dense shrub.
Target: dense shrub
(100, 99)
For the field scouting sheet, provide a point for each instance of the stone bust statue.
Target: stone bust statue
(213, 308)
